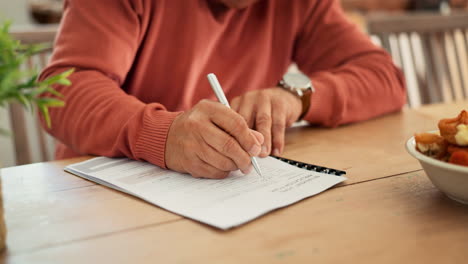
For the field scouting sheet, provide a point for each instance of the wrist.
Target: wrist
(300, 86)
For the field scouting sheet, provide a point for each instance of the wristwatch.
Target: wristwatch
(301, 86)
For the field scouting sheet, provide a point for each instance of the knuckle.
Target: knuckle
(261, 94)
(280, 104)
(198, 106)
(263, 119)
(229, 145)
(204, 102)
(279, 126)
(239, 123)
(191, 121)
(188, 125)
(205, 105)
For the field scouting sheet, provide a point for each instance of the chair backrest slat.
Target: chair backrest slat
(408, 60)
(454, 64)
(20, 137)
(433, 93)
(431, 49)
(461, 44)
(441, 66)
(419, 70)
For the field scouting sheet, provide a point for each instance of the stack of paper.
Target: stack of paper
(221, 203)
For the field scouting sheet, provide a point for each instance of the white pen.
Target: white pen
(218, 90)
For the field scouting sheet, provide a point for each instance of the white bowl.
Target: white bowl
(451, 179)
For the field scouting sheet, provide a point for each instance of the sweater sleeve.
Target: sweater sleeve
(100, 40)
(354, 79)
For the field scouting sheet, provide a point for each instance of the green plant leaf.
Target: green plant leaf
(67, 73)
(50, 102)
(52, 80)
(28, 84)
(64, 82)
(45, 113)
(23, 100)
(18, 84)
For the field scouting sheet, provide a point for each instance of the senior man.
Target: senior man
(140, 89)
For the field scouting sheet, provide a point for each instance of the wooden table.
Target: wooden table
(387, 212)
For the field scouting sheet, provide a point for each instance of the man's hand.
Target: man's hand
(211, 140)
(270, 112)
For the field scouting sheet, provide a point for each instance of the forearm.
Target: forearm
(366, 87)
(101, 119)
(354, 79)
(100, 39)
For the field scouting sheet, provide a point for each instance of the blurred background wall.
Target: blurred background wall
(15, 10)
(20, 11)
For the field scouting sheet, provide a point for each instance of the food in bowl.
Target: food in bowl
(451, 144)
(455, 130)
(441, 153)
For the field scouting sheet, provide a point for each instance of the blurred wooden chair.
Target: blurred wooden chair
(30, 142)
(431, 49)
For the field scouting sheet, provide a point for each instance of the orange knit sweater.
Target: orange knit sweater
(140, 62)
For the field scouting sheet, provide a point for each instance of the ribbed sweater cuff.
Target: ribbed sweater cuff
(151, 144)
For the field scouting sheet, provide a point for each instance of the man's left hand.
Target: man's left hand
(270, 112)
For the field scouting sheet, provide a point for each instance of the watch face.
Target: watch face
(297, 80)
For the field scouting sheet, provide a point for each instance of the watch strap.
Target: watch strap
(305, 96)
(305, 99)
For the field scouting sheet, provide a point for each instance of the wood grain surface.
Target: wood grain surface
(439, 111)
(46, 206)
(387, 212)
(366, 151)
(401, 219)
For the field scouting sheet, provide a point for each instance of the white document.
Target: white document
(221, 203)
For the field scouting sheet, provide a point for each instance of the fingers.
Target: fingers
(209, 141)
(247, 109)
(211, 156)
(258, 136)
(278, 128)
(245, 106)
(227, 146)
(234, 125)
(235, 104)
(263, 125)
(201, 169)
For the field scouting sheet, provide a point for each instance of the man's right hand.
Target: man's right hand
(211, 140)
